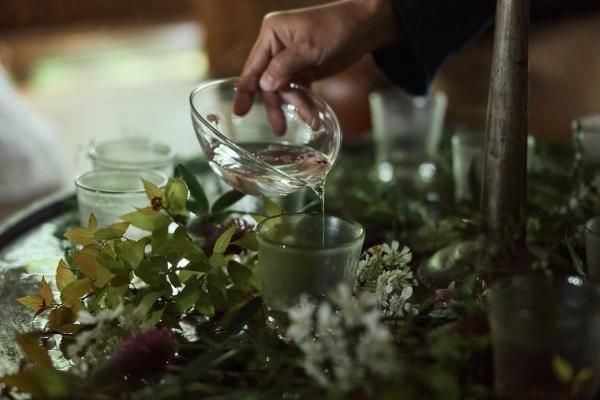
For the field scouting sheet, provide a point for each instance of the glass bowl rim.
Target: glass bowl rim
(359, 236)
(213, 83)
(136, 173)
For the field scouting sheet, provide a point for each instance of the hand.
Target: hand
(309, 44)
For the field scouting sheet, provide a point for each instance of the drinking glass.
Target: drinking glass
(588, 126)
(592, 248)
(132, 153)
(108, 194)
(305, 254)
(467, 163)
(537, 321)
(407, 130)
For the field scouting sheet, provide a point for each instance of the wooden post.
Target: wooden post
(505, 172)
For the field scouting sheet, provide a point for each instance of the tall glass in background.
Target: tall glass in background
(539, 324)
(407, 130)
(467, 164)
(305, 253)
(132, 153)
(588, 126)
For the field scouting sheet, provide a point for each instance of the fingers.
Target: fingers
(257, 62)
(272, 102)
(283, 66)
(304, 106)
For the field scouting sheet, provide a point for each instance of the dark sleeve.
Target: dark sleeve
(430, 31)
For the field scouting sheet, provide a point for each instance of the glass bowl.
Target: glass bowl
(286, 141)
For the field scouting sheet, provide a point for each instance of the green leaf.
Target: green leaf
(159, 239)
(132, 252)
(223, 241)
(147, 219)
(240, 274)
(584, 375)
(152, 191)
(226, 200)
(112, 231)
(217, 260)
(271, 208)
(153, 271)
(176, 195)
(204, 304)
(196, 190)
(577, 262)
(562, 369)
(174, 279)
(188, 297)
(248, 241)
(34, 351)
(245, 314)
(148, 301)
(40, 383)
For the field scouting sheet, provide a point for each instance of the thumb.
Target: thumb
(282, 68)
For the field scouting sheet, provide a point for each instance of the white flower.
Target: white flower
(343, 339)
(394, 291)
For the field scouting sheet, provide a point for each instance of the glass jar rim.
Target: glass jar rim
(354, 224)
(163, 156)
(160, 180)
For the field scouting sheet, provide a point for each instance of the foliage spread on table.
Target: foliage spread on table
(177, 314)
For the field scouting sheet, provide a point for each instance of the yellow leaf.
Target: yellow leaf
(34, 351)
(152, 190)
(64, 275)
(46, 292)
(87, 264)
(103, 276)
(112, 231)
(80, 236)
(92, 223)
(33, 302)
(74, 291)
(92, 269)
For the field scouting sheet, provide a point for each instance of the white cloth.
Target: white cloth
(30, 152)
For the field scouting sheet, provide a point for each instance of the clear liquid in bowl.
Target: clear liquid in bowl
(294, 167)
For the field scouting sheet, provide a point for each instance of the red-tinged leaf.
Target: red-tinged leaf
(46, 292)
(42, 308)
(34, 351)
(64, 275)
(32, 302)
(80, 236)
